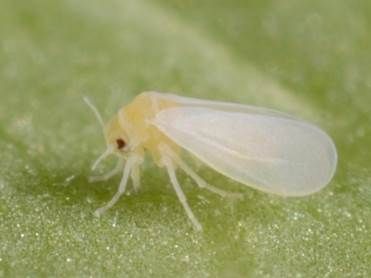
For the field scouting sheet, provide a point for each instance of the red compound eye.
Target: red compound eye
(120, 143)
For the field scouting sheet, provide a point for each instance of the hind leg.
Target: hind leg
(179, 192)
(200, 181)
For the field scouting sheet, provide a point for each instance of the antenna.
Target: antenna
(97, 115)
(95, 111)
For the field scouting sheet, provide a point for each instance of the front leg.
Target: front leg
(122, 187)
(110, 174)
(135, 177)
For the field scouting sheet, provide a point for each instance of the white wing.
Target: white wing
(275, 154)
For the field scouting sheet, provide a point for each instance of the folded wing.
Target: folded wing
(269, 152)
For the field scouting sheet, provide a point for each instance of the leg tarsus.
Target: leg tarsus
(179, 192)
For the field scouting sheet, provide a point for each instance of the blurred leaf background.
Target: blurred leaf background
(309, 58)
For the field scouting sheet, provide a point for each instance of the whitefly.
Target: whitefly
(262, 148)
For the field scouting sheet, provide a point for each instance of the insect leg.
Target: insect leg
(179, 192)
(103, 156)
(121, 188)
(200, 181)
(110, 174)
(135, 177)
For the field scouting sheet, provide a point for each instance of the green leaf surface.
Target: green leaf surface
(308, 58)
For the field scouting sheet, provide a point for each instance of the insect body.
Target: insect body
(259, 147)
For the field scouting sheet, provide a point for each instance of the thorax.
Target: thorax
(135, 119)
